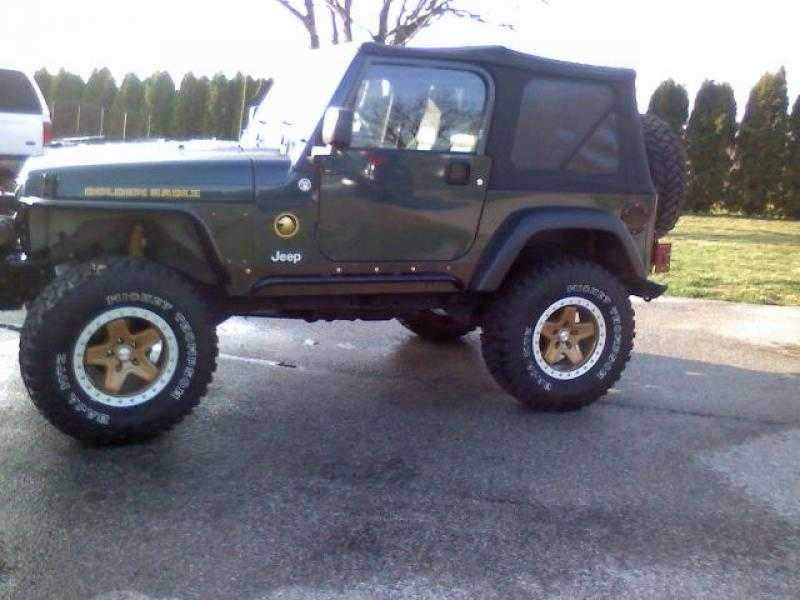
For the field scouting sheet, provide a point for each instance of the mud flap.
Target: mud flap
(647, 290)
(7, 202)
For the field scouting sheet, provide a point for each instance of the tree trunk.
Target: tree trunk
(334, 27)
(311, 24)
(347, 20)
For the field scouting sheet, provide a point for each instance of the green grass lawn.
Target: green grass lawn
(735, 258)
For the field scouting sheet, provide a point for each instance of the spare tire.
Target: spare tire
(667, 158)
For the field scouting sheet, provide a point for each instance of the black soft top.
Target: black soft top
(502, 56)
(620, 143)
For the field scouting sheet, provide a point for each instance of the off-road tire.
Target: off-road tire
(69, 303)
(508, 328)
(667, 158)
(435, 327)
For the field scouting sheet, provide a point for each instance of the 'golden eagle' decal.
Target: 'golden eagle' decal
(137, 192)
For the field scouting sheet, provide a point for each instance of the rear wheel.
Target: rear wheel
(118, 352)
(559, 337)
(435, 327)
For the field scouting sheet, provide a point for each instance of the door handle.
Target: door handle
(457, 173)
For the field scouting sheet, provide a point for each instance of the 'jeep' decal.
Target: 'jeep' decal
(290, 257)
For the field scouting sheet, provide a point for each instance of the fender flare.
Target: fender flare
(518, 229)
(210, 249)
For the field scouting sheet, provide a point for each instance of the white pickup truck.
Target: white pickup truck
(25, 126)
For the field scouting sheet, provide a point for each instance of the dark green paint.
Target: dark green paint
(389, 205)
(357, 216)
(367, 213)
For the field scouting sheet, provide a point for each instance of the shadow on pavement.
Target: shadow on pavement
(421, 477)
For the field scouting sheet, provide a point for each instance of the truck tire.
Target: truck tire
(434, 327)
(667, 158)
(559, 337)
(117, 352)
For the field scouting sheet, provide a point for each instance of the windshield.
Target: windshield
(301, 91)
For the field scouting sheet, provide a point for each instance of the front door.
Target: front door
(412, 184)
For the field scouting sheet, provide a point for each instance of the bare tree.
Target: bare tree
(398, 21)
(401, 20)
(308, 18)
(343, 11)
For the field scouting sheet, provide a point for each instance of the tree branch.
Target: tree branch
(334, 27)
(308, 19)
(287, 5)
(383, 22)
(411, 17)
(311, 24)
(409, 23)
(343, 9)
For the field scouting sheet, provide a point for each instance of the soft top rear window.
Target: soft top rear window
(17, 94)
(567, 125)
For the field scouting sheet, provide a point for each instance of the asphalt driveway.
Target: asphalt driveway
(354, 461)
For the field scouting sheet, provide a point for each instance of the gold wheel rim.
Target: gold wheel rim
(123, 359)
(568, 338)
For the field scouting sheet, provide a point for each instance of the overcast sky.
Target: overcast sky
(689, 40)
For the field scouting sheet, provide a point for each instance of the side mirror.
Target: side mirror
(337, 127)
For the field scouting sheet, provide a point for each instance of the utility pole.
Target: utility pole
(78, 121)
(124, 124)
(149, 121)
(102, 118)
(241, 111)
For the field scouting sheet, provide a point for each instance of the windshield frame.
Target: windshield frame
(293, 138)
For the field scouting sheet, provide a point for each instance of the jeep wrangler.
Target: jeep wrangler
(450, 189)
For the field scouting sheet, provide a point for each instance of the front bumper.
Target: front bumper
(8, 235)
(20, 278)
(9, 168)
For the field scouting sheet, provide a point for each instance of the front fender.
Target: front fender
(63, 230)
(519, 229)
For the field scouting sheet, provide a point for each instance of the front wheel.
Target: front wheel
(117, 352)
(558, 338)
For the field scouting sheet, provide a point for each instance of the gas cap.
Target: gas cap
(286, 225)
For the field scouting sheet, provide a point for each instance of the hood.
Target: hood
(198, 170)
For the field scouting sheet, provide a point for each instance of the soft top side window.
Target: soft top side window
(420, 108)
(567, 125)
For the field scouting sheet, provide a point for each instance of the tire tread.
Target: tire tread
(667, 158)
(46, 310)
(499, 344)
